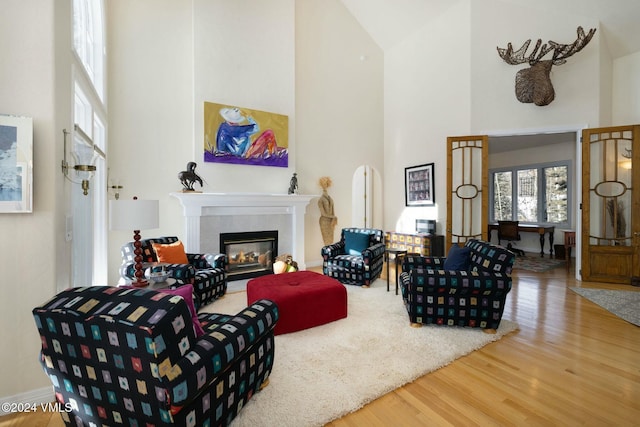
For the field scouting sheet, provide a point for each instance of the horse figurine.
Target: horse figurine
(189, 177)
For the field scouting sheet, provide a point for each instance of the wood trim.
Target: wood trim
(465, 173)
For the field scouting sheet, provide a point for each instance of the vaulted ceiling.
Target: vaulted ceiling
(390, 21)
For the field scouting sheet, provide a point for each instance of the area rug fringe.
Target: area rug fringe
(323, 373)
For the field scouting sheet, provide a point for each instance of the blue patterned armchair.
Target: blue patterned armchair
(206, 272)
(473, 295)
(357, 258)
(130, 356)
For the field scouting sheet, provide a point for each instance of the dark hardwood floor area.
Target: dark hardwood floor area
(570, 363)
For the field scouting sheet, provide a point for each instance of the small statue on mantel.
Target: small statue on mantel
(293, 184)
(189, 177)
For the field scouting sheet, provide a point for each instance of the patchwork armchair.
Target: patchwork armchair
(357, 258)
(206, 272)
(131, 356)
(469, 290)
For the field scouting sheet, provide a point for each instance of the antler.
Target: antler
(517, 57)
(560, 51)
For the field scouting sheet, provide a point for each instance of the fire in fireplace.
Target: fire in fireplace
(249, 254)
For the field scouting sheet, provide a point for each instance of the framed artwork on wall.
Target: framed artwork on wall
(245, 136)
(16, 164)
(418, 185)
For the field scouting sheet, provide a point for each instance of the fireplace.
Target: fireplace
(206, 214)
(249, 254)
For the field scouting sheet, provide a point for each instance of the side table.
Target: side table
(398, 254)
(157, 276)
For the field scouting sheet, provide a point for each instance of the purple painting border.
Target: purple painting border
(281, 161)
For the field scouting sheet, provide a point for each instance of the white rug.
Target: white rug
(323, 373)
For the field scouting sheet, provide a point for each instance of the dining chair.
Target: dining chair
(508, 230)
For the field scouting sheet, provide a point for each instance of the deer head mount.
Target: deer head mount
(533, 84)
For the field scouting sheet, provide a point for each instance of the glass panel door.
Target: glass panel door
(467, 195)
(610, 236)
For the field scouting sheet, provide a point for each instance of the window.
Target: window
(88, 41)
(90, 115)
(531, 194)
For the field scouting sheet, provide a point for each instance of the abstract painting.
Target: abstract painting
(16, 163)
(244, 136)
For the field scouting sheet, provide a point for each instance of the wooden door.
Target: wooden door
(610, 194)
(467, 188)
(366, 198)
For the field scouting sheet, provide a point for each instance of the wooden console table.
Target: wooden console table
(531, 228)
(416, 243)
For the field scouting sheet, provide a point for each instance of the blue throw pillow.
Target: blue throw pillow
(457, 259)
(355, 243)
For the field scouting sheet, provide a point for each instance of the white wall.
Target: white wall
(268, 56)
(577, 82)
(626, 90)
(151, 135)
(448, 80)
(427, 98)
(34, 258)
(244, 56)
(606, 82)
(339, 109)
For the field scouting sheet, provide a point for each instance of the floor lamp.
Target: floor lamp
(134, 215)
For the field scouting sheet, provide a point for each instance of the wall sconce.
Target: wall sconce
(84, 156)
(115, 188)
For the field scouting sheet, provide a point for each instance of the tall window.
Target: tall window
(90, 115)
(88, 41)
(531, 194)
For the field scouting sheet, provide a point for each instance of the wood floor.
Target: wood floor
(571, 363)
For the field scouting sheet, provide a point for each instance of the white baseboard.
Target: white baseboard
(29, 400)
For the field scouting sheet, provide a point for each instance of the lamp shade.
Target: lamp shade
(133, 214)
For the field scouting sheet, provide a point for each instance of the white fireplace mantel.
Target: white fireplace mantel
(199, 206)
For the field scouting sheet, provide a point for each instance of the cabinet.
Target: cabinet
(422, 244)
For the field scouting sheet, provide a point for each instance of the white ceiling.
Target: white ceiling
(390, 21)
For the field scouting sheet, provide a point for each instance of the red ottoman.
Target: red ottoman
(305, 299)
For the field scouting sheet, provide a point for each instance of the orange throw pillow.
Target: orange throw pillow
(172, 253)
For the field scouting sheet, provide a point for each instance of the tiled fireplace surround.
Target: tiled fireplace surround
(208, 214)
